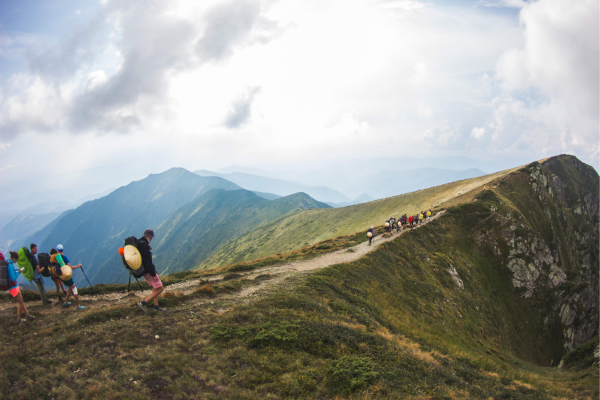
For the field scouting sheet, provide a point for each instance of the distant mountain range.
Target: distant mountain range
(212, 219)
(92, 233)
(193, 216)
(278, 186)
(22, 226)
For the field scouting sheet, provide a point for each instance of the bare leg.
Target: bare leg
(21, 307)
(154, 295)
(68, 295)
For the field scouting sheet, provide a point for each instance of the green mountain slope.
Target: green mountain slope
(479, 303)
(313, 226)
(205, 224)
(92, 232)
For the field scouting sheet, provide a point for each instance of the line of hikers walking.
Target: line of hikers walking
(56, 266)
(396, 225)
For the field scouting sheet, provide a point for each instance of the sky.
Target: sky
(96, 94)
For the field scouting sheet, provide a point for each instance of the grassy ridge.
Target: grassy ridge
(392, 324)
(313, 226)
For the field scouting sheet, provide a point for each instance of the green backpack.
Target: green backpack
(25, 263)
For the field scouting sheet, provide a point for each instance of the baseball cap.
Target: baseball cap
(59, 247)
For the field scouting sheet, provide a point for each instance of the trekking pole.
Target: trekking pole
(129, 284)
(86, 278)
(139, 284)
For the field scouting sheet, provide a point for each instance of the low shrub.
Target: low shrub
(205, 290)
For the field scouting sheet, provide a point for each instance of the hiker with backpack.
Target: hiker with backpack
(37, 275)
(60, 249)
(372, 234)
(151, 275)
(57, 264)
(410, 220)
(57, 281)
(13, 273)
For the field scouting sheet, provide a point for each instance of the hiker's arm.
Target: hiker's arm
(76, 266)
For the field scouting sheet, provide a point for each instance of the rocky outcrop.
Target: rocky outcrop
(559, 265)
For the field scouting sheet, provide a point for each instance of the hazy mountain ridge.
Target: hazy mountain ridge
(212, 219)
(278, 186)
(92, 232)
(22, 226)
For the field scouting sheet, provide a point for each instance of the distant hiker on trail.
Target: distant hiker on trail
(410, 220)
(372, 232)
(55, 260)
(388, 226)
(393, 223)
(15, 291)
(428, 214)
(37, 275)
(70, 283)
(151, 277)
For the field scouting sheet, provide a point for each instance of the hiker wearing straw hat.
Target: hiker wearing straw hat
(151, 276)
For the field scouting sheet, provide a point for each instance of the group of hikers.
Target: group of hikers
(59, 269)
(395, 225)
(47, 268)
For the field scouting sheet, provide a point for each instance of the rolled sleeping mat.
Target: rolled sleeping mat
(387, 224)
(66, 273)
(59, 260)
(369, 234)
(132, 257)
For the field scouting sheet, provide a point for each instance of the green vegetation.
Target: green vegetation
(392, 324)
(212, 219)
(309, 227)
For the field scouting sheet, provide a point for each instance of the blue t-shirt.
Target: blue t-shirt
(65, 259)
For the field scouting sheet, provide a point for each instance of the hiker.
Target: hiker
(70, 283)
(57, 281)
(429, 214)
(388, 226)
(410, 220)
(151, 276)
(372, 230)
(37, 275)
(60, 249)
(393, 223)
(15, 291)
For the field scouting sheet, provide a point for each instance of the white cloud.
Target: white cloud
(477, 133)
(555, 74)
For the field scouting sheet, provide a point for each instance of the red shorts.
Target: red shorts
(153, 281)
(15, 291)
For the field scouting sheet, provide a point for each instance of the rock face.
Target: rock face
(551, 247)
(454, 274)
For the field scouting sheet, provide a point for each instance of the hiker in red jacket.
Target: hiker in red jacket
(410, 220)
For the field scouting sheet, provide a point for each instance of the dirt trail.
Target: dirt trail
(282, 272)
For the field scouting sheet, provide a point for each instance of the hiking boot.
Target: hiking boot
(157, 308)
(30, 317)
(67, 304)
(80, 308)
(143, 307)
